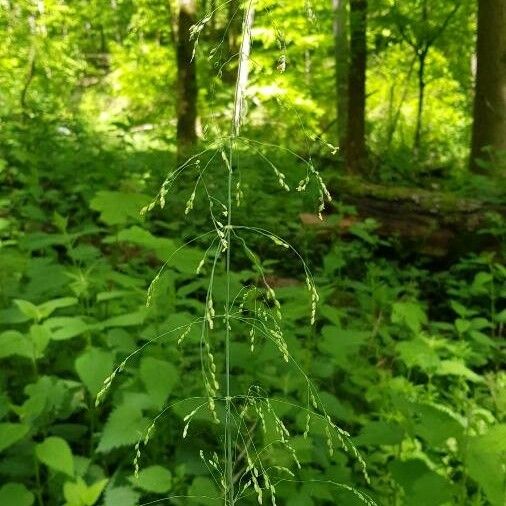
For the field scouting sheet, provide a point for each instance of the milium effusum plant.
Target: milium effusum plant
(242, 468)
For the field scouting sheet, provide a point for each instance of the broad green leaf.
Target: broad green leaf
(462, 325)
(93, 367)
(455, 368)
(203, 491)
(40, 337)
(333, 314)
(120, 340)
(159, 378)
(114, 294)
(485, 459)
(49, 307)
(55, 453)
(11, 433)
(80, 494)
(434, 423)
(186, 260)
(122, 428)
(16, 494)
(126, 320)
(117, 207)
(162, 246)
(341, 343)
(418, 353)
(154, 479)
(45, 396)
(65, 327)
(336, 407)
(121, 496)
(44, 310)
(410, 314)
(461, 310)
(422, 486)
(380, 433)
(501, 317)
(13, 343)
(28, 309)
(481, 283)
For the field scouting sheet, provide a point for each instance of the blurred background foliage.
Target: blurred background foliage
(408, 349)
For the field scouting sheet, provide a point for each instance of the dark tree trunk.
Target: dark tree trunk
(233, 29)
(187, 89)
(341, 68)
(489, 128)
(355, 150)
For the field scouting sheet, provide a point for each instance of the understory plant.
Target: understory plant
(252, 428)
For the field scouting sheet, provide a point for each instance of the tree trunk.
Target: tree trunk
(489, 128)
(187, 89)
(232, 39)
(341, 68)
(355, 150)
(422, 56)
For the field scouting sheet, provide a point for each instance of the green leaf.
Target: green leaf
(462, 325)
(422, 486)
(155, 479)
(461, 310)
(28, 309)
(117, 207)
(184, 260)
(121, 496)
(341, 343)
(11, 433)
(203, 491)
(93, 367)
(65, 327)
(13, 343)
(481, 283)
(435, 423)
(455, 368)
(45, 396)
(380, 433)
(16, 494)
(55, 453)
(40, 337)
(410, 314)
(418, 353)
(49, 307)
(126, 320)
(159, 378)
(162, 246)
(44, 310)
(122, 428)
(485, 459)
(80, 494)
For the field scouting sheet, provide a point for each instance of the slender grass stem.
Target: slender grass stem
(241, 83)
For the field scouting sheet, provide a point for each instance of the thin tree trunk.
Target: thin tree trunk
(489, 128)
(392, 125)
(29, 78)
(422, 57)
(341, 68)
(232, 38)
(187, 89)
(355, 151)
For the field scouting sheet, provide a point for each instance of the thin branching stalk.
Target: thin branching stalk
(255, 308)
(240, 88)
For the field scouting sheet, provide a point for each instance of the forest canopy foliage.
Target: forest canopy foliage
(252, 251)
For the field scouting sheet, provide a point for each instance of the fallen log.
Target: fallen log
(432, 222)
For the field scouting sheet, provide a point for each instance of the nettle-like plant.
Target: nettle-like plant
(244, 467)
